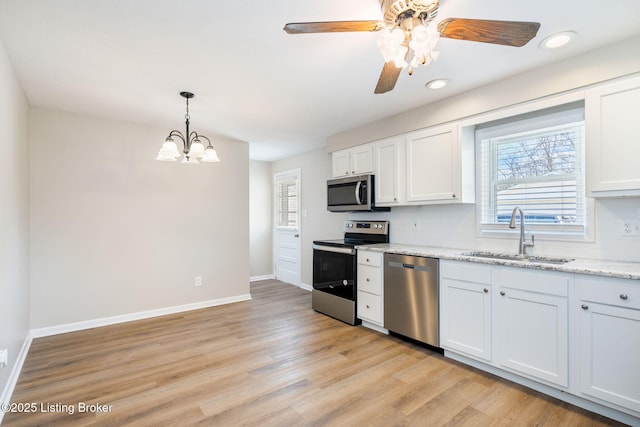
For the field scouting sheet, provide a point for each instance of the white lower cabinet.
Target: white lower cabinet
(609, 351)
(369, 293)
(513, 319)
(532, 324)
(578, 334)
(465, 308)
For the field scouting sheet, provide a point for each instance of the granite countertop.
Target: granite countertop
(618, 269)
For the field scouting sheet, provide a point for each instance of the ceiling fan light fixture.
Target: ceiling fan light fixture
(418, 44)
(437, 84)
(557, 40)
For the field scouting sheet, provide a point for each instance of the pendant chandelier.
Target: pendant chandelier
(193, 148)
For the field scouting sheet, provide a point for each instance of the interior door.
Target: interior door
(287, 252)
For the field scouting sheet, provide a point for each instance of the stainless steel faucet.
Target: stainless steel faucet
(523, 244)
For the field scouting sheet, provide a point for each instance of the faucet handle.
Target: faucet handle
(533, 239)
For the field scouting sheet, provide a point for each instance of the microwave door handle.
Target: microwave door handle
(358, 201)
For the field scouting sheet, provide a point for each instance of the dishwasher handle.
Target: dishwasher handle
(410, 266)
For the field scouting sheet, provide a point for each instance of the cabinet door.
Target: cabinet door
(361, 159)
(433, 165)
(613, 145)
(341, 165)
(532, 334)
(388, 162)
(465, 318)
(609, 358)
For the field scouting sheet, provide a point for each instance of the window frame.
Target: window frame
(519, 121)
(292, 178)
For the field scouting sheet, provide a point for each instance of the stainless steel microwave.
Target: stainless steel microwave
(352, 194)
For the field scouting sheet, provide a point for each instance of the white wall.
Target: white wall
(115, 232)
(318, 223)
(453, 226)
(14, 215)
(599, 65)
(261, 220)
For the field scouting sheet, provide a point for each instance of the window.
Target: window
(534, 162)
(286, 203)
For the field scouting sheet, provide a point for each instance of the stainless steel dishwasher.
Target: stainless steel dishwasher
(411, 297)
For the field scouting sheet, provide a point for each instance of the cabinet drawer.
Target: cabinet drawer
(465, 272)
(551, 283)
(370, 258)
(370, 307)
(370, 279)
(610, 291)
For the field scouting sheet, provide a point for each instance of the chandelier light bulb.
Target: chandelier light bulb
(210, 155)
(197, 150)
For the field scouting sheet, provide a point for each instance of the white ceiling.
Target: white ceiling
(284, 94)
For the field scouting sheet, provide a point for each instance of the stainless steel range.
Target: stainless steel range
(334, 268)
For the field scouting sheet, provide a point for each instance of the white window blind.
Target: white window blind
(286, 194)
(535, 162)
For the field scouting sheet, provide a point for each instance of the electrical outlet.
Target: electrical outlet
(4, 358)
(630, 228)
(198, 281)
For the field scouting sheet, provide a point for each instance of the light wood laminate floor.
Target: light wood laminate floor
(271, 361)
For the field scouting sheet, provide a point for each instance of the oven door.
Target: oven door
(334, 271)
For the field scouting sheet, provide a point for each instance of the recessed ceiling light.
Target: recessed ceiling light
(557, 40)
(437, 84)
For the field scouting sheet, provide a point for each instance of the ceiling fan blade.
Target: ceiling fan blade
(388, 77)
(333, 27)
(507, 33)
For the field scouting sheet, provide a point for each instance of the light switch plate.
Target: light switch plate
(4, 357)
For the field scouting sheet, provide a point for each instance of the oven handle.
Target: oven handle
(358, 201)
(348, 251)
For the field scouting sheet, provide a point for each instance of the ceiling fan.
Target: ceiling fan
(408, 36)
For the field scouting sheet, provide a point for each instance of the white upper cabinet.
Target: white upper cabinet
(440, 166)
(613, 139)
(432, 166)
(429, 166)
(388, 155)
(353, 161)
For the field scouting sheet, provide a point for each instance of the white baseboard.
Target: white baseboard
(306, 287)
(106, 321)
(15, 373)
(265, 277)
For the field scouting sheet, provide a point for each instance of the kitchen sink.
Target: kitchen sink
(520, 258)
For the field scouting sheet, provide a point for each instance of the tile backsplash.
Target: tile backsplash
(454, 226)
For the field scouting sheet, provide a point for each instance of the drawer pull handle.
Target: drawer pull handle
(368, 306)
(368, 260)
(624, 297)
(485, 290)
(503, 293)
(584, 307)
(368, 279)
